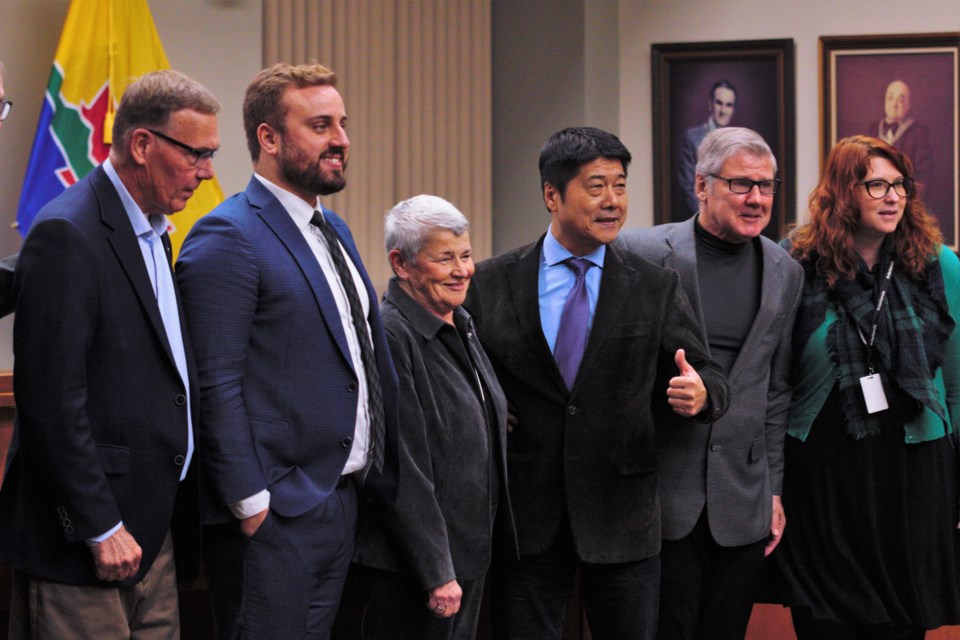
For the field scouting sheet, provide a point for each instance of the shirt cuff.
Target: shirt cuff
(92, 542)
(251, 506)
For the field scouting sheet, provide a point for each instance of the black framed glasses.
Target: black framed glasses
(743, 185)
(196, 155)
(5, 106)
(878, 188)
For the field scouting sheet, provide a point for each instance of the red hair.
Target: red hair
(835, 214)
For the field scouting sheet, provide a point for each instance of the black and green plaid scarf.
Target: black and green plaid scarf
(912, 328)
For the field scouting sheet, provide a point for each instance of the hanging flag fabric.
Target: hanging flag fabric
(105, 45)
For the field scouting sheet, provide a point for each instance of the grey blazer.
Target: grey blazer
(734, 465)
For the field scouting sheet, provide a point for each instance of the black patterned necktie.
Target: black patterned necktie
(367, 355)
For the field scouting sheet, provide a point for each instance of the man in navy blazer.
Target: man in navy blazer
(105, 383)
(297, 412)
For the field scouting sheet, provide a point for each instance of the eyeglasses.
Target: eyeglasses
(742, 185)
(5, 106)
(877, 189)
(196, 155)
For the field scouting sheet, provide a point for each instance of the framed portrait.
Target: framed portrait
(698, 86)
(902, 88)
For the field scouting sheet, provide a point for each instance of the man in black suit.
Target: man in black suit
(590, 343)
(105, 383)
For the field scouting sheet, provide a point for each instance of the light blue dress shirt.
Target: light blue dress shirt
(555, 280)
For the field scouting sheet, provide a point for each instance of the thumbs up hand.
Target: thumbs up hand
(686, 393)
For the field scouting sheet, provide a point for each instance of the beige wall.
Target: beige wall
(217, 42)
(643, 22)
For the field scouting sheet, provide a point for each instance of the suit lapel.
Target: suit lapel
(523, 281)
(615, 293)
(126, 247)
(281, 224)
(682, 258)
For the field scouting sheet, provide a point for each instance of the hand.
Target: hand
(511, 417)
(118, 557)
(444, 600)
(686, 393)
(249, 526)
(777, 525)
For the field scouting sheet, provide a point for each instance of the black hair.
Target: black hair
(566, 151)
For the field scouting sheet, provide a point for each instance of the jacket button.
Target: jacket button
(179, 460)
(346, 442)
(62, 510)
(68, 530)
(715, 447)
(352, 386)
(180, 399)
(572, 410)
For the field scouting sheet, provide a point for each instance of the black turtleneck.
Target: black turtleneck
(730, 277)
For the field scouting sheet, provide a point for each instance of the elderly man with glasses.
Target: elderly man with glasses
(107, 397)
(720, 483)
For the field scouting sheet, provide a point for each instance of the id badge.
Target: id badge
(873, 393)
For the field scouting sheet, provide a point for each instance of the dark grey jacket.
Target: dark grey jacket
(735, 465)
(452, 444)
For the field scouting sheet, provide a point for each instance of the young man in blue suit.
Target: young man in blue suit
(299, 391)
(106, 389)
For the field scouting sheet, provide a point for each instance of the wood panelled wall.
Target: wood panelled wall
(415, 77)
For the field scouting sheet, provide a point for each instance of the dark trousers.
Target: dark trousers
(395, 608)
(707, 591)
(286, 581)
(809, 628)
(530, 597)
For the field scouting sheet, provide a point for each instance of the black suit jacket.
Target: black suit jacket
(588, 454)
(101, 428)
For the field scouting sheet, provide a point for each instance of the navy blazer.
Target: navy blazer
(101, 428)
(279, 389)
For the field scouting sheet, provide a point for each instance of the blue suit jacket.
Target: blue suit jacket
(279, 389)
(101, 410)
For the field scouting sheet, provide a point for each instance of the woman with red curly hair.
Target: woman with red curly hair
(871, 481)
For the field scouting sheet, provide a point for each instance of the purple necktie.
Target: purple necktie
(572, 335)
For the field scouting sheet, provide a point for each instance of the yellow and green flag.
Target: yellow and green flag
(105, 45)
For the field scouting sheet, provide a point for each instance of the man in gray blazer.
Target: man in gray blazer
(720, 482)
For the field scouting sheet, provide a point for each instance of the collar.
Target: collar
(555, 253)
(142, 223)
(421, 320)
(300, 211)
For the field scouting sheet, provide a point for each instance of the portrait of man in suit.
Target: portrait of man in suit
(906, 133)
(103, 448)
(721, 104)
(593, 347)
(299, 391)
(720, 482)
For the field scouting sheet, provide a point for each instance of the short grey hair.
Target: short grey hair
(721, 144)
(409, 223)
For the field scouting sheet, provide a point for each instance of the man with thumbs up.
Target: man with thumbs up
(593, 346)
(720, 483)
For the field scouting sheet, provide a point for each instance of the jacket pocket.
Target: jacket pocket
(633, 466)
(114, 459)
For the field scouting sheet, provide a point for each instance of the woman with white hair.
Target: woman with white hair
(424, 563)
